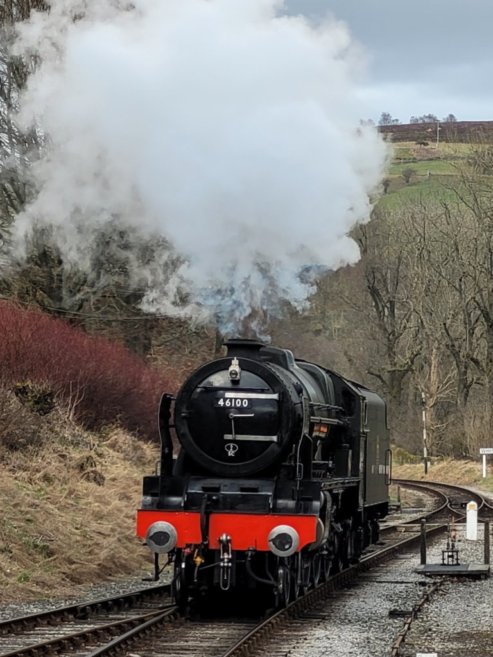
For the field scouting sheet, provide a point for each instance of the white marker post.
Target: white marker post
(472, 522)
(425, 441)
(484, 451)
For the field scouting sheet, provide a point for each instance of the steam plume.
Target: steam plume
(224, 126)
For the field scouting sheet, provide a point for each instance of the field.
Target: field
(419, 189)
(423, 172)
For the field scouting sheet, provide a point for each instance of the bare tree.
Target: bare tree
(407, 174)
(450, 326)
(17, 148)
(12, 11)
(425, 118)
(390, 287)
(475, 252)
(387, 119)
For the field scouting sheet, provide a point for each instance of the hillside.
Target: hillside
(76, 412)
(432, 171)
(453, 132)
(68, 512)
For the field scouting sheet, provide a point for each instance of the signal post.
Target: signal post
(484, 451)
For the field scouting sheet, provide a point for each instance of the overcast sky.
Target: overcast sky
(425, 56)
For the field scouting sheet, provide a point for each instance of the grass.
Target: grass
(399, 194)
(409, 149)
(436, 171)
(453, 471)
(60, 530)
(425, 167)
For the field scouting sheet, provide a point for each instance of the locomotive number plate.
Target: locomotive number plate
(235, 402)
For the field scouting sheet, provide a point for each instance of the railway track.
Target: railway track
(146, 622)
(454, 502)
(448, 501)
(289, 621)
(455, 498)
(71, 628)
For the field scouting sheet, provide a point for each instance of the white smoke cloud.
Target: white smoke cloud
(224, 126)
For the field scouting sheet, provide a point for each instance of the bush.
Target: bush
(407, 174)
(19, 427)
(38, 397)
(99, 382)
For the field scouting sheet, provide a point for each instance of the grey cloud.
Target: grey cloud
(443, 44)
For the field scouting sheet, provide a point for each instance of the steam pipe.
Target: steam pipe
(261, 580)
(166, 442)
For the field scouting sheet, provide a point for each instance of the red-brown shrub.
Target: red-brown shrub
(99, 381)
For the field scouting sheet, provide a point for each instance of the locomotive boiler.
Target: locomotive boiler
(281, 475)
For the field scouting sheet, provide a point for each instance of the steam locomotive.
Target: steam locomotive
(282, 475)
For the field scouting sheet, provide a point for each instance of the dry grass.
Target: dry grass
(68, 512)
(453, 471)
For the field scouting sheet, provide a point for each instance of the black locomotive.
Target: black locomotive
(282, 474)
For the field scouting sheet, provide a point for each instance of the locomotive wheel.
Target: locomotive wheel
(346, 547)
(375, 531)
(296, 578)
(358, 544)
(179, 586)
(306, 573)
(326, 563)
(335, 548)
(283, 591)
(354, 543)
(316, 568)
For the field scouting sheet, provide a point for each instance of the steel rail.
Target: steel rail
(401, 637)
(82, 610)
(116, 645)
(484, 506)
(81, 637)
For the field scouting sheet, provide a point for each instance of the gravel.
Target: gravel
(356, 621)
(365, 619)
(458, 622)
